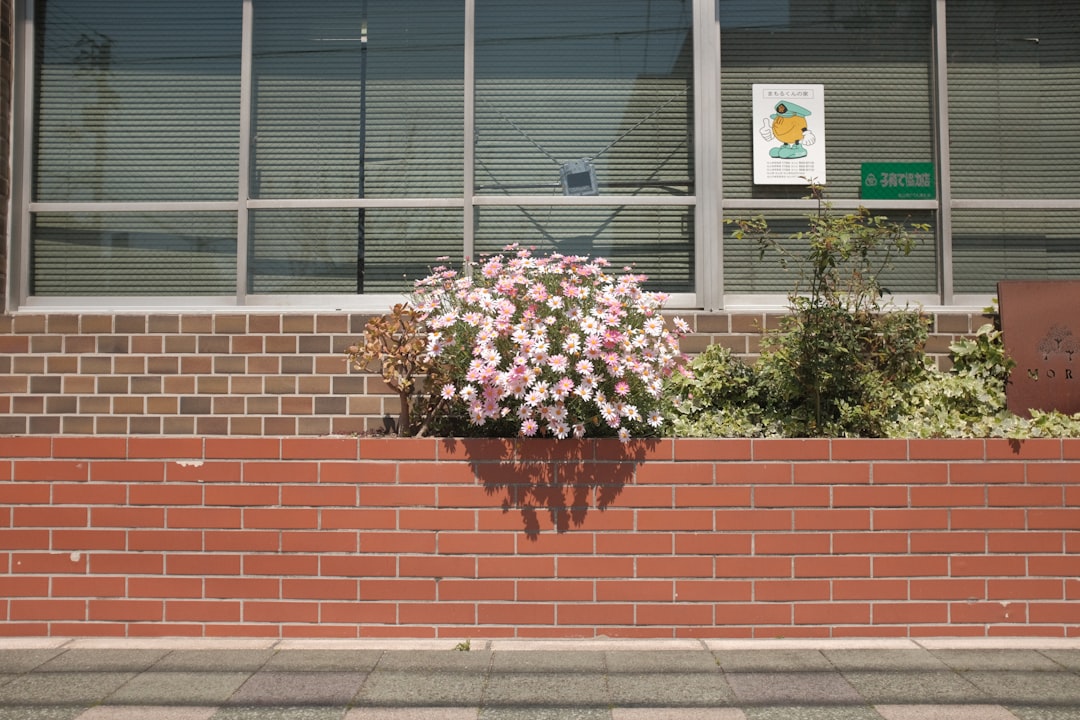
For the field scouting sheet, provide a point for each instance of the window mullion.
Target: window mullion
(469, 144)
(244, 181)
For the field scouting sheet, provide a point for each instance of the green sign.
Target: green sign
(898, 181)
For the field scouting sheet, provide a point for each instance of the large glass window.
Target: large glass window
(137, 101)
(588, 98)
(143, 253)
(358, 99)
(339, 147)
(337, 251)
(874, 62)
(652, 240)
(1014, 74)
(606, 83)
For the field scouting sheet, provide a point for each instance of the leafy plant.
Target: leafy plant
(556, 346)
(841, 357)
(716, 396)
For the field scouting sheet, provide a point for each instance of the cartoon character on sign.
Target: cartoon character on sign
(788, 125)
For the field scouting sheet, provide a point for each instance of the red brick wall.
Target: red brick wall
(344, 537)
(266, 374)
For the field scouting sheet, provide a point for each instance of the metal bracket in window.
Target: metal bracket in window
(579, 178)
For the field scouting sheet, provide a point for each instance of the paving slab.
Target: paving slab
(323, 660)
(549, 661)
(262, 712)
(891, 661)
(1066, 658)
(812, 712)
(16, 712)
(670, 662)
(1028, 688)
(433, 662)
(1044, 713)
(298, 689)
(792, 688)
(62, 688)
(916, 687)
(677, 714)
(147, 712)
(994, 659)
(213, 660)
(423, 713)
(545, 713)
(24, 660)
(404, 688)
(780, 660)
(546, 689)
(944, 712)
(179, 688)
(111, 660)
(670, 690)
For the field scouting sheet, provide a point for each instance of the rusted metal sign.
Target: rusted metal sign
(1040, 325)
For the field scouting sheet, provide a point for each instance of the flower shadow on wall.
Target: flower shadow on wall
(554, 483)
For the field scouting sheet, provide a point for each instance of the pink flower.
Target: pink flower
(622, 388)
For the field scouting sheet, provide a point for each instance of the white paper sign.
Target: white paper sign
(789, 134)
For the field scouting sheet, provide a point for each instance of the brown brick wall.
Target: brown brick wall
(239, 374)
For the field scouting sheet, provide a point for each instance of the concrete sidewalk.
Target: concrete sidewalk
(237, 679)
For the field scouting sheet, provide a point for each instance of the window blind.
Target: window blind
(137, 101)
(164, 254)
(355, 99)
(609, 83)
(358, 98)
(874, 60)
(1014, 74)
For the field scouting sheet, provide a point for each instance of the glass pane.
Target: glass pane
(317, 251)
(134, 254)
(358, 98)
(1014, 70)
(656, 241)
(584, 97)
(992, 245)
(874, 60)
(746, 270)
(137, 100)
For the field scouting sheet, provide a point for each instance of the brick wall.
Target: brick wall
(238, 374)
(345, 537)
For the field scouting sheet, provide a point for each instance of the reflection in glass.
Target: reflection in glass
(358, 98)
(133, 254)
(316, 251)
(605, 83)
(656, 241)
(137, 100)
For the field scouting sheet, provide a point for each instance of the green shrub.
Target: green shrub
(842, 356)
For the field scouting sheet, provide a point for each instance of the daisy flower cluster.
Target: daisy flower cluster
(549, 346)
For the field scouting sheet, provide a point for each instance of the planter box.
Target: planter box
(279, 537)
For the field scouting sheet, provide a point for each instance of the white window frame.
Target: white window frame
(708, 203)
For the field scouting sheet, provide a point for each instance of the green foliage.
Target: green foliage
(841, 357)
(715, 396)
(969, 400)
(721, 396)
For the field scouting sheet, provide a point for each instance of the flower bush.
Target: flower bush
(547, 346)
